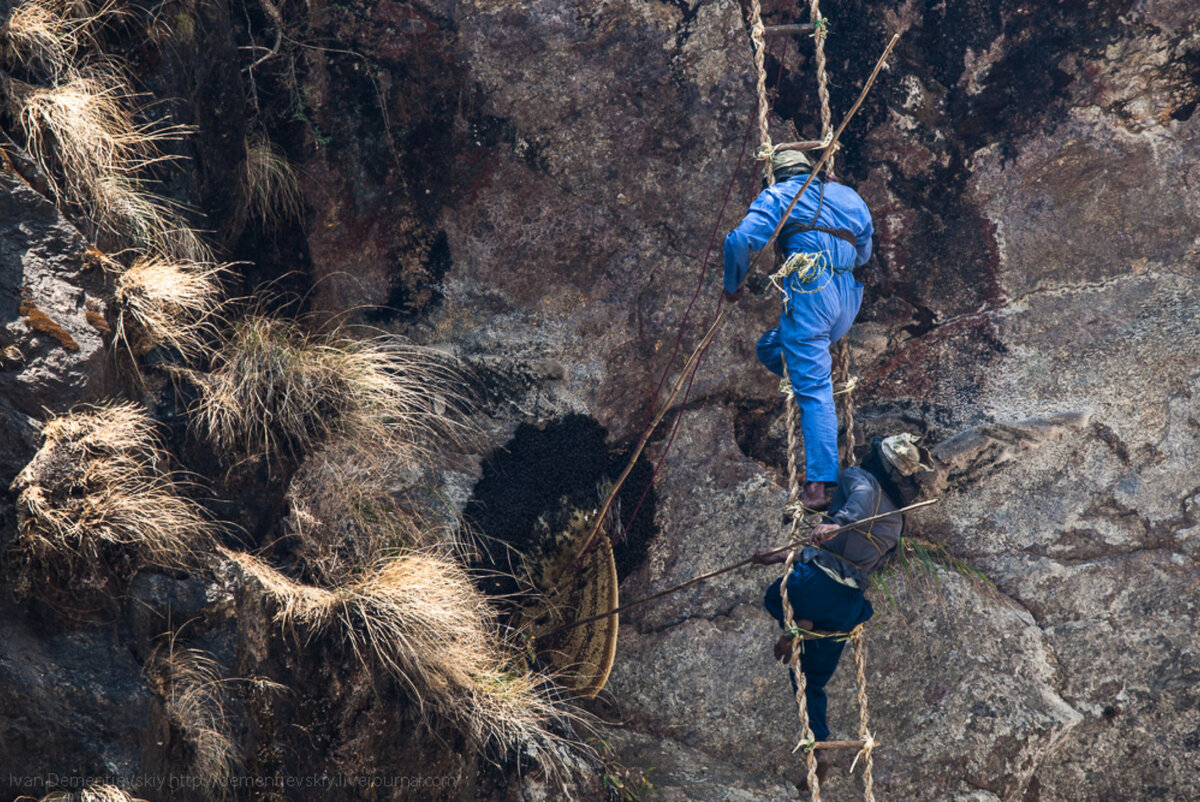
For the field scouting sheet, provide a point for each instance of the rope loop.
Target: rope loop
(848, 387)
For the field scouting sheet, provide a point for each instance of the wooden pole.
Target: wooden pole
(728, 568)
(845, 744)
(783, 30)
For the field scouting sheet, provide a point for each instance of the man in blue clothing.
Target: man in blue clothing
(826, 583)
(832, 225)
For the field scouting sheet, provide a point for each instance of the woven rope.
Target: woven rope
(806, 733)
(864, 720)
(793, 440)
(819, 30)
(844, 398)
(757, 38)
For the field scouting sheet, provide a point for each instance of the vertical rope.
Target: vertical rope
(819, 26)
(758, 39)
(806, 733)
(792, 439)
(864, 718)
(845, 401)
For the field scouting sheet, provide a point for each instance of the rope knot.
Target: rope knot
(869, 743)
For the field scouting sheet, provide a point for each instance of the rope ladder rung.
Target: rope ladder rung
(785, 30)
(859, 745)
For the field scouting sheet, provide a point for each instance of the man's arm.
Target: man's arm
(863, 233)
(751, 235)
(860, 500)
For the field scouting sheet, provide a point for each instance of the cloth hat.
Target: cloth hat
(789, 161)
(904, 455)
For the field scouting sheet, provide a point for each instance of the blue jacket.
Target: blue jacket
(840, 208)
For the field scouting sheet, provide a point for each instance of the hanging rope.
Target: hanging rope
(765, 150)
(806, 734)
(845, 383)
(864, 720)
(820, 27)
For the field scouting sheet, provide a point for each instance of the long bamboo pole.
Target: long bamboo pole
(732, 567)
(712, 331)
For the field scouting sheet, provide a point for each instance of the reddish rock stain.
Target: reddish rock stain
(40, 322)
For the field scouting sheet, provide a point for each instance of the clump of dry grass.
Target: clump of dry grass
(349, 508)
(93, 793)
(421, 616)
(87, 125)
(98, 494)
(270, 188)
(40, 38)
(123, 205)
(277, 388)
(168, 302)
(194, 693)
(45, 35)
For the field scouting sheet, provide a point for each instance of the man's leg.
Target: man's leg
(818, 662)
(832, 608)
(806, 341)
(851, 293)
(770, 351)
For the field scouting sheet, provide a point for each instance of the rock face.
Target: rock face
(54, 325)
(534, 186)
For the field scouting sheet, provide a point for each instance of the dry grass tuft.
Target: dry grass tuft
(270, 187)
(45, 35)
(93, 793)
(123, 205)
(421, 616)
(275, 388)
(98, 494)
(39, 37)
(87, 125)
(350, 507)
(195, 698)
(167, 302)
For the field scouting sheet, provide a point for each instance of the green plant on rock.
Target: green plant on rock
(924, 562)
(622, 783)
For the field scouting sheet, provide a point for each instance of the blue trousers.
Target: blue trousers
(815, 315)
(831, 607)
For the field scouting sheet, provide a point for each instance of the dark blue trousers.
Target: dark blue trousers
(832, 607)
